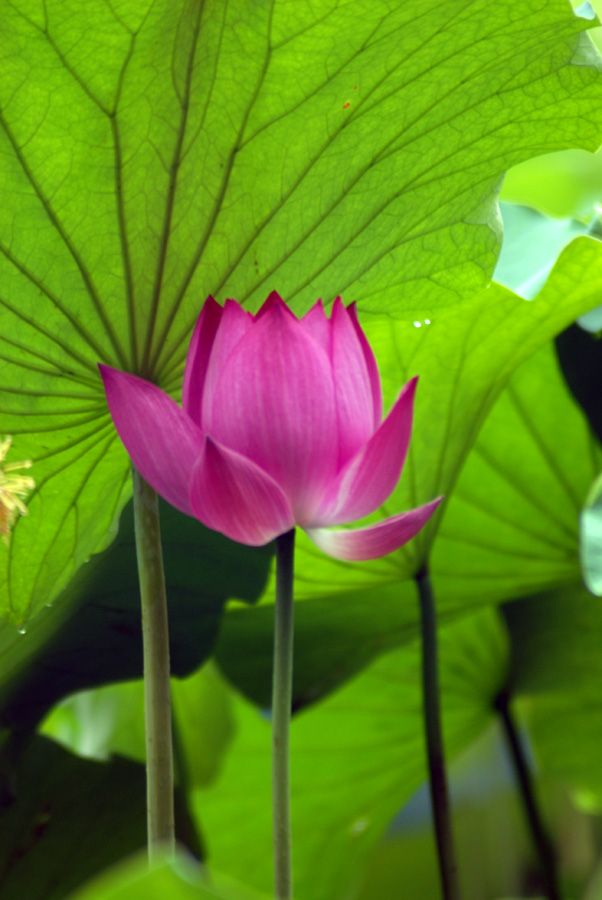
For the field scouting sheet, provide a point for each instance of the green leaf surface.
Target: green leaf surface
(63, 819)
(557, 667)
(357, 757)
(93, 634)
(179, 880)
(510, 526)
(153, 152)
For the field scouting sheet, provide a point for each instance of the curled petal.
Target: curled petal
(370, 477)
(232, 495)
(197, 358)
(274, 404)
(376, 540)
(354, 390)
(162, 440)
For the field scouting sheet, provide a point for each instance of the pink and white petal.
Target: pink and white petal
(234, 324)
(197, 358)
(371, 476)
(161, 439)
(362, 544)
(317, 324)
(373, 373)
(232, 495)
(274, 403)
(354, 396)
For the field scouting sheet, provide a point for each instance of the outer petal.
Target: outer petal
(197, 358)
(274, 403)
(235, 323)
(373, 374)
(376, 540)
(317, 324)
(354, 393)
(234, 496)
(162, 440)
(368, 479)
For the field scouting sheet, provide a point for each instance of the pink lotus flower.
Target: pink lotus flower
(280, 426)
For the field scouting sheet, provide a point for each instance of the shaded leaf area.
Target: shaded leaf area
(153, 152)
(509, 527)
(357, 757)
(580, 356)
(56, 827)
(107, 720)
(93, 634)
(556, 665)
(179, 880)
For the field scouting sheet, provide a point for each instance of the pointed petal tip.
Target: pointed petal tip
(274, 305)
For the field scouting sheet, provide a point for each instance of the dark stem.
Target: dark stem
(157, 701)
(282, 690)
(542, 843)
(448, 868)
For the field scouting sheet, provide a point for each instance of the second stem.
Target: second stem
(448, 868)
(282, 691)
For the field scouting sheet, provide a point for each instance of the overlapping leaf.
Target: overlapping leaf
(357, 757)
(155, 151)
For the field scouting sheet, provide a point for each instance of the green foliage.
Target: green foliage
(156, 152)
(357, 758)
(178, 881)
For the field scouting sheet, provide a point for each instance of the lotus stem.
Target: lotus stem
(282, 691)
(157, 700)
(448, 868)
(544, 847)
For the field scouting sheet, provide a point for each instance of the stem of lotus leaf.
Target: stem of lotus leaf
(543, 845)
(282, 690)
(448, 868)
(157, 700)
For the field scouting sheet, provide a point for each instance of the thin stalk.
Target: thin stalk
(157, 701)
(448, 868)
(282, 691)
(541, 841)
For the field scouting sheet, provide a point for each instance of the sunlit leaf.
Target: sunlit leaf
(153, 152)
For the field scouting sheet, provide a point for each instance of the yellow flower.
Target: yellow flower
(12, 489)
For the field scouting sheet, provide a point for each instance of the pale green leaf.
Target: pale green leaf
(357, 757)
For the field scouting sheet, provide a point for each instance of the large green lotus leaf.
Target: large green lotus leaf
(63, 819)
(153, 152)
(511, 522)
(357, 757)
(93, 634)
(556, 665)
(179, 880)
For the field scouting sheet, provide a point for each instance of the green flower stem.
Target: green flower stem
(543, 845)
(282, 692)
(157, 700)
(448, 868)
